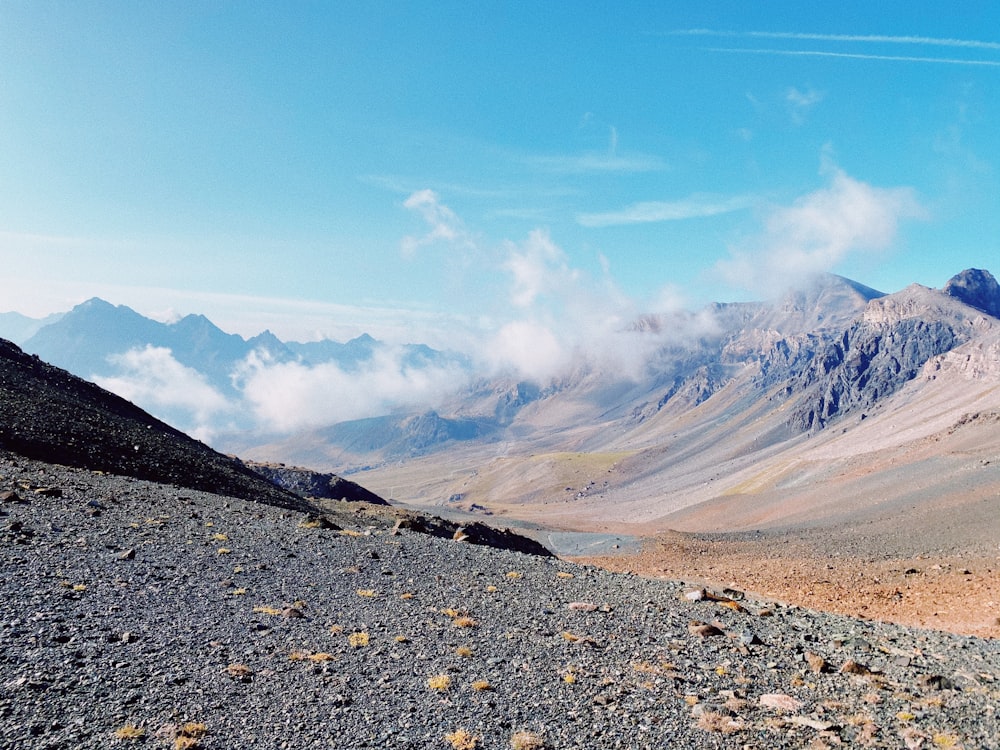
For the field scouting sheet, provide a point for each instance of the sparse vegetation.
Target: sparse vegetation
(189, 736)
(481, 686)
(358, 640)
(527, 741)
(439, 682)
(460, 739)
(464, 622)
(130, 732)
(368, 593)
(240, 672)
(265, 609)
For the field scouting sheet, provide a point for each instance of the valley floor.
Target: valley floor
(957, 593)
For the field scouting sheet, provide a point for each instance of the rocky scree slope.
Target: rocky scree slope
(141, 615)
(49, 414)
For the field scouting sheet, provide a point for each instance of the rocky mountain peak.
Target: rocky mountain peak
(976, 288)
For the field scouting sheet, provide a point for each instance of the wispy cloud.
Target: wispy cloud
(645, 212)
(443, 225)
(801, 102)
(852, 39)
(817, 232)
(595, 161)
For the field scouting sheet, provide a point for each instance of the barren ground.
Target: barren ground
(960, 594)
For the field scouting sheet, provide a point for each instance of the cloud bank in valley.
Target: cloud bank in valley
(152, 377)
(285, 396)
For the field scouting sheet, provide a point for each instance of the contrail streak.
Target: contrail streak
(856, 56)
(868, 38)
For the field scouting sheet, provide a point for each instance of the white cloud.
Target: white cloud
(286, 396)
(564, 320)
(800, 103)
(443, 224)
(818, 231)
(696, 206)
(538, 268)
(531, 349)
(152, 377)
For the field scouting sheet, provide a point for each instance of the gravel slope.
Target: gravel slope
(128, 603)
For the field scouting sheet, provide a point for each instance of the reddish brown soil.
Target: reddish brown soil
(957, 594)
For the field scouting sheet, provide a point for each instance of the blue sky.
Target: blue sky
(488, 171)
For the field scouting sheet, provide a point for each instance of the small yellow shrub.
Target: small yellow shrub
(439, 682)
(462, 740)
(130, 732)
(358, 640)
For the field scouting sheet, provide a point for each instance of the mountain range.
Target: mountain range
(190, 372)
(727, 402)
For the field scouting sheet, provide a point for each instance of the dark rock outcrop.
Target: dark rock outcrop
(314, 484)
(976, 288)
(887, 346)
(867, 364)
(472, 533)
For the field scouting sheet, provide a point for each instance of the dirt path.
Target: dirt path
(956, 594)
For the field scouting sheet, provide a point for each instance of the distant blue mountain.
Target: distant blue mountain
(87, 340)
(19, 328)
